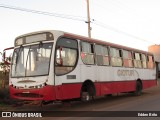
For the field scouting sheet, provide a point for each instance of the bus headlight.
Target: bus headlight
(14, 86)
(41, 85)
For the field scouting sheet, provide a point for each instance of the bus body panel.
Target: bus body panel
(106, 79)
(72, 90)
(68, 86)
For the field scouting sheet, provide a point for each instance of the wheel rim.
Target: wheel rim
(85, 96)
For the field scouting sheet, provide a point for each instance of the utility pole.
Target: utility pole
(88, 21)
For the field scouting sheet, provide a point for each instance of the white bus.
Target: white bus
(57, 66)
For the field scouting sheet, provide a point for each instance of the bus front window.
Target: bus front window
(31, 60)
(19, 61)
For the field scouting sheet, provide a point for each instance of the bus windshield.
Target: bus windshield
(31, 60)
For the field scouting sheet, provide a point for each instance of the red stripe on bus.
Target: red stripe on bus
(70, 91)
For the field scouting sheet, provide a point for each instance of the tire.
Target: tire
(138, 91)
(88, 93)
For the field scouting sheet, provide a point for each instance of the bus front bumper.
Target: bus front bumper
(46, 93)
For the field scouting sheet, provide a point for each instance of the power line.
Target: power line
(78, 18)
(121, 9)
(118, 31)
(72, 17)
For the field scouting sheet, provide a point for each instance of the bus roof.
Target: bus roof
(91, 40)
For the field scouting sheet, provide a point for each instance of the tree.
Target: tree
(5, 67)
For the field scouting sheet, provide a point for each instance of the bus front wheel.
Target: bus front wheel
(87, 91)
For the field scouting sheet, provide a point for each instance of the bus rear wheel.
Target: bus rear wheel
(138, 91)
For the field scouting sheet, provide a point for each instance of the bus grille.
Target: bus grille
(28, 95)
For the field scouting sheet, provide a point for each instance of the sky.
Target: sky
(132, 23)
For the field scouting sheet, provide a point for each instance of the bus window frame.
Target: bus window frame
(148, 62)
(144, 67)
(107, 47)
(55, 53)
(137, 60)
(128, 59)
(92, 50)
(29, 45)
(120, 56)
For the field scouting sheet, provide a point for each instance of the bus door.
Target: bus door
(67, 73)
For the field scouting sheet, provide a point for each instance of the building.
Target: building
(155, 49)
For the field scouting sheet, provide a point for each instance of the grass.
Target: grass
(4, 93)
(5, 97)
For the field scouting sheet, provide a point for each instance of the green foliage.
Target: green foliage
(5, 62)
(4, 72)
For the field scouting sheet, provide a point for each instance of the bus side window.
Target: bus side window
(87, 53)
(102, 57)
(116, 57)
(144, 61)
(150, 62)
(137, 60)
(127, 59)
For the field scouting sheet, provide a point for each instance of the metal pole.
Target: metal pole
(88, 14)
